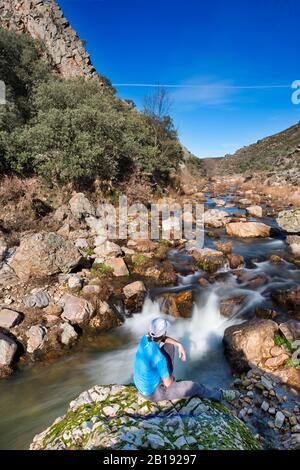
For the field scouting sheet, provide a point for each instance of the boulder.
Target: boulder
(249, 344)
(219, 202)
(44, 254)
(77, 310)
(248, 229)
(255, 211)
(208, 259)
(245, 202)
(108, 249)
(294, 244)
(118, 266)
(36, 336)
(68, 334)
(289, 220)
(120, 419)
(8, 348)
(38, 298)
(9, 318)
(80, 206)
(216, 218)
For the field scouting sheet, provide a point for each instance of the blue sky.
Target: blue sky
(219, 45)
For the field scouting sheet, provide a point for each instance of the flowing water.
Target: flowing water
(34, 397)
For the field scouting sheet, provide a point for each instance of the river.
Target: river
(34, 397)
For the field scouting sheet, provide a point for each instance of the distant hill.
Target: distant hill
(278, 155)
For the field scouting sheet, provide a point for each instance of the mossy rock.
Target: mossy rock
(117, 417)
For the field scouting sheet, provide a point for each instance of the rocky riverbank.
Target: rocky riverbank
(65, 284)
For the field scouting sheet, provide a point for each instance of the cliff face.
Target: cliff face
(43, 20)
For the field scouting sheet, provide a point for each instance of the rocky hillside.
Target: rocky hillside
(117, 417)
(277, 157)
(45, 22)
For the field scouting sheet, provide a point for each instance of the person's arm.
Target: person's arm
(181, 350)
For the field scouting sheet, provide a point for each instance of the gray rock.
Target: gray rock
(36, 335)
(9, 318)
(39, 298)
(77, 310)
(108, 249)
(3, 248)
(279, 419)
(44, 254)
(266, 383)
(289, 220)
(80, 206)
(8, 349)
(75, 281)
(68, 334)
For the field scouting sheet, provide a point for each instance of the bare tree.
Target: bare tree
(157, 104)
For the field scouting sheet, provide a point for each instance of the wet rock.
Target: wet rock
(229, 307)
(289, 220)
(36, 335)
(245, 202)
(249, 344)
(236, 261)
(179, 305)
(291, 330)
(118, 266)
(8, 348)
(38, 298)
(208, 259)
(266, 313)
(248, 229)
(255, 211)
(134, 288)
(216, 218)
(289, 298)
(68, 334)
(9, 318)
(44, 254)
(77, 310)
(224, 247)
(108, 249)
(219, 202)
(80, 206)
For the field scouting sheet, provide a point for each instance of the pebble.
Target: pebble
(296, 428)
(265, 406)
(272, 410)
(266, 383)
(279, 419)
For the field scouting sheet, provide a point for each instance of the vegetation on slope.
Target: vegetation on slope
(74, 130)
(263, 155)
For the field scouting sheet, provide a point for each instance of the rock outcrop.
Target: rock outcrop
(44, 21)
(117, 417)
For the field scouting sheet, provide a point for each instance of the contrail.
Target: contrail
(154, 85)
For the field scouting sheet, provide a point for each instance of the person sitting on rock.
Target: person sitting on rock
(154, 364)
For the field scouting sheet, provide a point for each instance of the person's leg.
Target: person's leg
(184, 389)
(168, 351)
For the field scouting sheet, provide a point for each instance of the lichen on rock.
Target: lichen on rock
(117, 417)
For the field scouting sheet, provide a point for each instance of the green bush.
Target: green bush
(74, 130)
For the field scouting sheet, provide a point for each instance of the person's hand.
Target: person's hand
(181, 352)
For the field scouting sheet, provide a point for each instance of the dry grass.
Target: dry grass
(283, 195)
